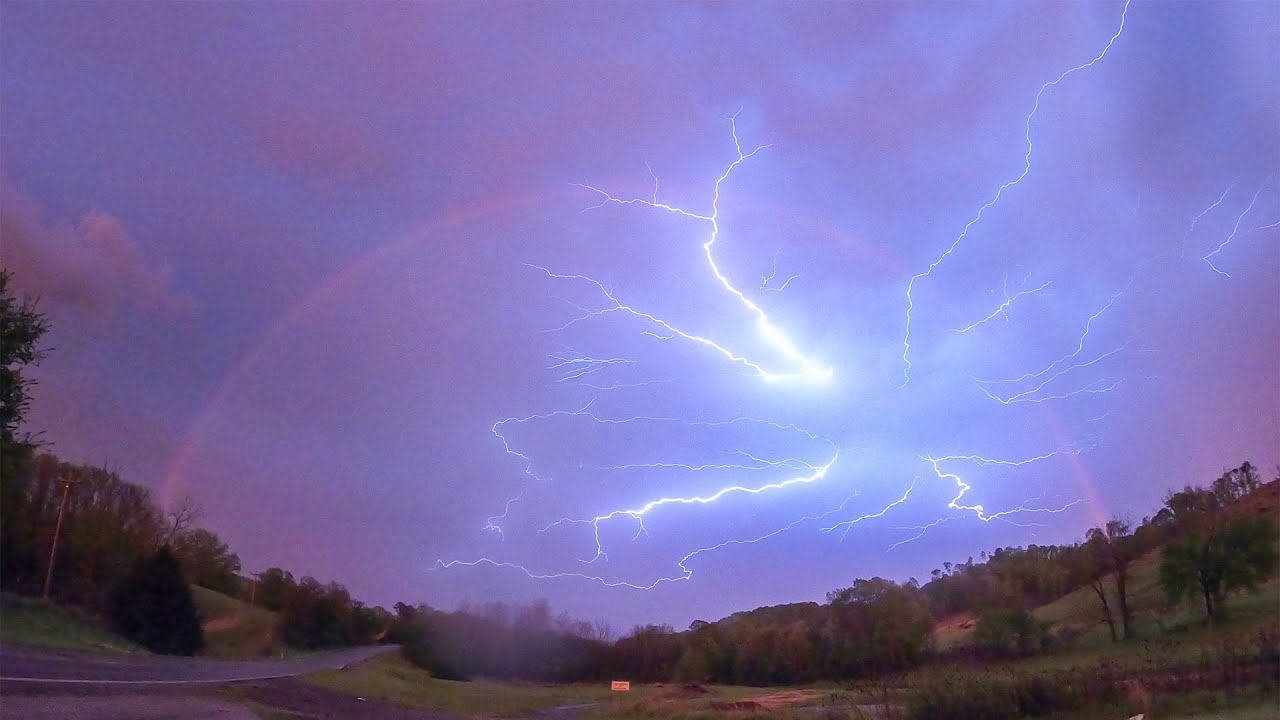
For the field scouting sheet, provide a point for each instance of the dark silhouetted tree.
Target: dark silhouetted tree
(21, 327)
(154, 608)
(207, 561)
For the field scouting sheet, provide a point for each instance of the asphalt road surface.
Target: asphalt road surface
(42, 665)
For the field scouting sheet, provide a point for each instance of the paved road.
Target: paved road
(32, 665)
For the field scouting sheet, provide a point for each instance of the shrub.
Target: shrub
(1013, 632)
(1005, 697)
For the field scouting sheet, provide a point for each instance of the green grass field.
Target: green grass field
(29, 621)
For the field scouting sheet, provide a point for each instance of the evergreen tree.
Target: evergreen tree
(153, 607)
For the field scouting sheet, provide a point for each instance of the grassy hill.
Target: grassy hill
(1078, 615)
(233, 629)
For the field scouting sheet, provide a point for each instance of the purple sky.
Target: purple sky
(284, 247)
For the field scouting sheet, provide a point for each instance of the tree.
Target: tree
(1113, 548)
(1012, 632)
(1090, 564)
(21, 328)
(274, 587)
(180, 517)
(1218, 555)
(207, 561)
(153, 607)
(877, 625)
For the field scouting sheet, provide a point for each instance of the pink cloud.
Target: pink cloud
(93, 265)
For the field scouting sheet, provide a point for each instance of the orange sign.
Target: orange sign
(621, 686)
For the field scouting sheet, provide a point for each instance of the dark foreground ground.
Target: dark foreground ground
(43, 684)
(19, 664)
(285, 698)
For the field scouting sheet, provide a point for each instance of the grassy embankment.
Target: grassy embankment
(31, 621)
(233, 630)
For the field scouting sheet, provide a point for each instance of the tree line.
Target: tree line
(81, 535)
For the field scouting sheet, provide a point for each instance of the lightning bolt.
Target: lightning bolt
(848, 524)
(1026, 169)
(685, 572)
(815, 474)
(616, 305)
(1196, 220)
(576, 366)
(766, 279)
(1004, 307)
(964, 488)
(922, 529)
(1236, 229)
(1049, 371)
(809, 369)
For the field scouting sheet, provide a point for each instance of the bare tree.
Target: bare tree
(179, 518)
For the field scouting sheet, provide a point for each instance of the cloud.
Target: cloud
(93, 265)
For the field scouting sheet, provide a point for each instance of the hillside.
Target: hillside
(31, 621)
(1077, 616)
(233, 629)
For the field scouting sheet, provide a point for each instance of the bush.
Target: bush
(1007, 633)
(153, 607)
(996, 697)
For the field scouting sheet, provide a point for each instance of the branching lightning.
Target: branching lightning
(1004, 307)
(964, 487)
(773, 272)
(1053, 371)
(1026, 169)
(807, 369)
(1235, 230)
(1196, 220)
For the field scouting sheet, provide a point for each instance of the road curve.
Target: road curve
(42, 665)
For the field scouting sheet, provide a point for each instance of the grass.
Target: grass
(391, 678)
(233, 629)
(29, 621)
(1158, 628)
(242, 631)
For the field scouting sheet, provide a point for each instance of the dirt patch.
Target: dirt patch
(686, 691)
(310, 702)
(774, 701)
(954, 623)
(735, 705)
(222, 624)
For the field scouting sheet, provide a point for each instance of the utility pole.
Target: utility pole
(57, 531)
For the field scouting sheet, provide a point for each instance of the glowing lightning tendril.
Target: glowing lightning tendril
(1026, 169)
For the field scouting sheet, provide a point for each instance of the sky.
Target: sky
(657, 311)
